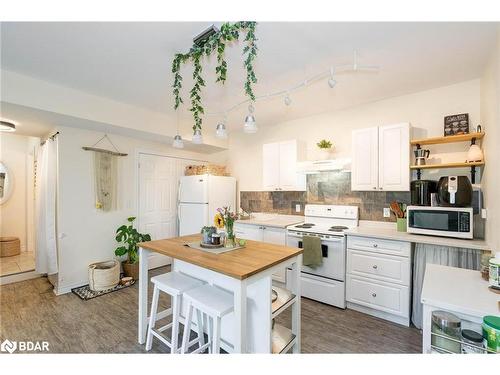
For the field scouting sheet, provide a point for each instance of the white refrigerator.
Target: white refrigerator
(199, 198)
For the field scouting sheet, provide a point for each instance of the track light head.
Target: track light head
(288, 100)
(332, 81)
(178, 142)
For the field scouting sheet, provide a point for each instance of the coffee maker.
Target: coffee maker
(421, 155)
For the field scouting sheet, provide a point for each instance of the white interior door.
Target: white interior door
(364, 170)
(158, 191)
(394, 157)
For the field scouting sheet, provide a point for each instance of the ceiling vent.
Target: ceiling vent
(202, 37)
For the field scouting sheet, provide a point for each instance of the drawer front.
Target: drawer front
(382, 267)
(331, 292)
(377, 245)
(391, 298)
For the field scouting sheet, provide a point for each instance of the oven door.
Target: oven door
(333, 250)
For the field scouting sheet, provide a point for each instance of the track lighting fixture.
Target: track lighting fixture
(197, 137)
(250, 124)
(178, 142)
(332, 81)
(220, 130)
(288, 100)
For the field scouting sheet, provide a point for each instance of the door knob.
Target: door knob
(374, 266)
(375, 245)
(374, 295)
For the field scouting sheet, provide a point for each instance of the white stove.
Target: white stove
(325, 283)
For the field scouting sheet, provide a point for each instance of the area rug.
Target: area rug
(85, 293)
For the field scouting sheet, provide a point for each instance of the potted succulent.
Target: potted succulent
(207, 232)
(325, 148)
(128, 237)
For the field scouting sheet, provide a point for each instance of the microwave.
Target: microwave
(454, 222)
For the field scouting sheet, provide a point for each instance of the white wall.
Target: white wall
(16, 215)
(490, 119)
(87, 234)
(424, 110)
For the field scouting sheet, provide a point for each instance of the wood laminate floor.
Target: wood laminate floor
(108, 324)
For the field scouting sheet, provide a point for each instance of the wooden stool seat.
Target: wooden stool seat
(173, 284)
(213, 302)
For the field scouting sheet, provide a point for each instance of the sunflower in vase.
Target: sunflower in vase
(224, 219)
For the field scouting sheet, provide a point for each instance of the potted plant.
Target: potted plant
(207, 232)
(325, 148)
(128, 237)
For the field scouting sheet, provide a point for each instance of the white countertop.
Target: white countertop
(388, 231)
(272, 220)
(459, 290)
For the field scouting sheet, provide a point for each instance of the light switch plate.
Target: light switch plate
(387, 212)
(297, 208)
(484, 213)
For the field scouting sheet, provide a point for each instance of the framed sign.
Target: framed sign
(456, 124)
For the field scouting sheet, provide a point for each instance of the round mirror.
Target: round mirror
(6, 183)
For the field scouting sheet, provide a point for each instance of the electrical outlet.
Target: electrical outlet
(484, 213)
(297, 208)
(387, 212)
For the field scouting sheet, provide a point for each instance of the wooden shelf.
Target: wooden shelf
(285, 299)
(448, 165)
(282, 339)
(450, 139)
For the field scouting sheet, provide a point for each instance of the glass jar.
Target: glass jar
(472, 342)
(447, 325)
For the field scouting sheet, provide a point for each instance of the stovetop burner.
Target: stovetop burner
(305, 225)
(337, 228)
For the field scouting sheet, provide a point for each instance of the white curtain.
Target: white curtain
(443, 255)
(46, 209)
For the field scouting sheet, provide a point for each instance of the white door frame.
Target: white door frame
(155, 260)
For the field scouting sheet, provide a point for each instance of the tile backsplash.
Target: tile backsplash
(323, 188)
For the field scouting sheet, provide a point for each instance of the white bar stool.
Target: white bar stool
(173, 284)
(213, 302)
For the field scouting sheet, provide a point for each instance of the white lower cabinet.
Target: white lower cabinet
(262, 233)
(378, 281)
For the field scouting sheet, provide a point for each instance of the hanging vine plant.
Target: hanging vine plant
(229, 32)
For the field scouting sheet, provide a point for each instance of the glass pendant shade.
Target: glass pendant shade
(250, 124)
(220, 131)
(197, 137)
(178, 142)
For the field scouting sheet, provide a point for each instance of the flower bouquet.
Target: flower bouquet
(224, 219)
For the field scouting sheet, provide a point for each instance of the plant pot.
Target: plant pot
(131, 269)
(324, 153)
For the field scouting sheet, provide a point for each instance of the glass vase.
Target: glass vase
(230, 239)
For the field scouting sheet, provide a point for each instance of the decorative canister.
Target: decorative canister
(491, 332)
(472, 342)
(495, 271)
(401, 224)
(447, 326)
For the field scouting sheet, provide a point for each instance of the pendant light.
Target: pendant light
(220, 130)
(7, 126)
(178, 142)
(250, 124)
(197, 137)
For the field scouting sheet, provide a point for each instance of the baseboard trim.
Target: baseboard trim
(22, 276)
(379, 314)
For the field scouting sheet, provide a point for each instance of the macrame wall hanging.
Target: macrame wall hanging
(105, 175)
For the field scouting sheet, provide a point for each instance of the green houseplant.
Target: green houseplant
(128, 237)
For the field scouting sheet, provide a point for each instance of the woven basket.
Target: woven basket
(104, 275)
(9, 246)
(214, 170)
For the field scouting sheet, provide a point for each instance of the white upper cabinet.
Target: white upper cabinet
(381, 158)
(364, 169)
(279, 166)
(394, 157)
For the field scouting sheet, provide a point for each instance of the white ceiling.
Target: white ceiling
(131, 62)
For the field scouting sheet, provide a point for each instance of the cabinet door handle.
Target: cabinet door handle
(374, 188)
(375, 245)
(375, 267)
(374, 295)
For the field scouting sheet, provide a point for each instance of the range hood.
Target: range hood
(318, 166)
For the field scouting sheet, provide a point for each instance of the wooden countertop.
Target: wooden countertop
(255, 257)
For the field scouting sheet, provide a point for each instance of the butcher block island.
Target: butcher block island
(246, 273)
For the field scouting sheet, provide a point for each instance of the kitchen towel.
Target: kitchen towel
(313, 256)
